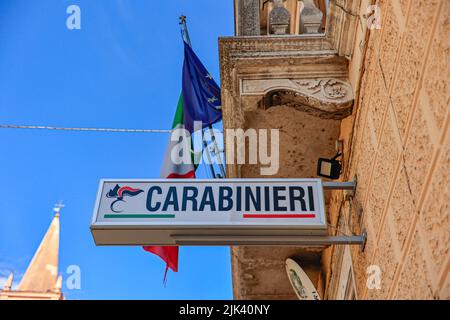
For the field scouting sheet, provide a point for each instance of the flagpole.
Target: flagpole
(188, 41)
(211, 131)
(185, 30)
(217, 151)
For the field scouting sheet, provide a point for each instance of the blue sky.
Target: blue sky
(121, 70)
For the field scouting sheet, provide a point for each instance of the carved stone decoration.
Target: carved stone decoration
(279, 18)
(310, 18)
(326, 98)
(333, 89)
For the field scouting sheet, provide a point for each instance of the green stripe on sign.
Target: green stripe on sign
(137, 216)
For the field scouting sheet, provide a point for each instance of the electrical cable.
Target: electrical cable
(14, 126)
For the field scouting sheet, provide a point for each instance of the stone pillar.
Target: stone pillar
(310, 18)
(279, 18)
(248, 18)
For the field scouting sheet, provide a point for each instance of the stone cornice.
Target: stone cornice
(268, 52)
(285, 49)
(314, 57)
(279, 42)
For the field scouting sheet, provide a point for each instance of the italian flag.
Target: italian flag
(199, 101)
(171, 170)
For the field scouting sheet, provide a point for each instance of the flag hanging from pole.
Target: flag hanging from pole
(201, 94)
(171, 170)
(199, 101)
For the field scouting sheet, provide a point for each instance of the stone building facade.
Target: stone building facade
(380, 96)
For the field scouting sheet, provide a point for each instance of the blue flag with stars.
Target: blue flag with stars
(201, 94)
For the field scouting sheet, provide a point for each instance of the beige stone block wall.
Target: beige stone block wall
(398, 146)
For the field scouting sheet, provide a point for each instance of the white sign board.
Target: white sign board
(302, 285)
(195, 211)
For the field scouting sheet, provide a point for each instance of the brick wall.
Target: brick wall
(398, 146)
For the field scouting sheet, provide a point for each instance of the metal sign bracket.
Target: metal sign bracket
(262, 240)
(344, 185)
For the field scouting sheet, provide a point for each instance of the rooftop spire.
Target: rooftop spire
(42, 272)
(57, 207)
(9, 282)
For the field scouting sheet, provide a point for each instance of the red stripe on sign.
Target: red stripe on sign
(279, 216)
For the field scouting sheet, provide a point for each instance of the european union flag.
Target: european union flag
(201, 94)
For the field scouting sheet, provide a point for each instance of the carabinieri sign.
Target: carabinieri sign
(203, 212)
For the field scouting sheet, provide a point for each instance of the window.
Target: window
(346, 289)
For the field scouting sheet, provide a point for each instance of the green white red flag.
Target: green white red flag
(199, 102)
(172, 170)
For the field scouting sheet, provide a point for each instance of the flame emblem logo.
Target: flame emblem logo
(119, 193)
